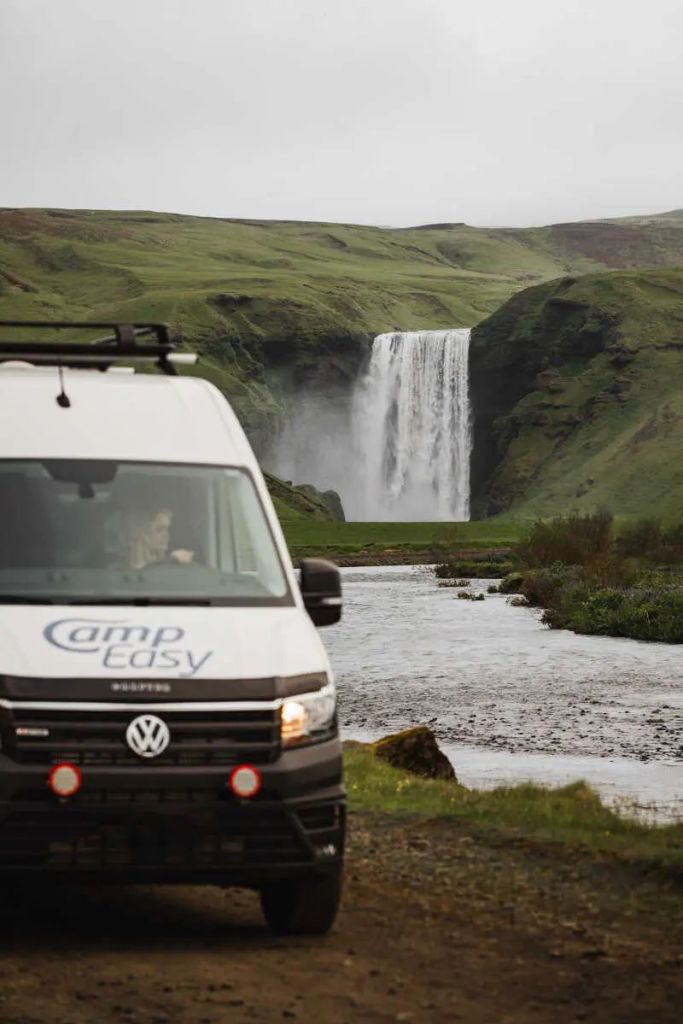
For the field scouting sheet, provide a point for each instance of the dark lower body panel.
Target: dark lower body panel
(177, 825)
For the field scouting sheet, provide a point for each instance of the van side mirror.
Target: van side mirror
(321, 590)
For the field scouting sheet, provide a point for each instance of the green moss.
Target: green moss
(434, 540)
(295, 505)
(570, 815)
(640, 614)
(578, 397)
(474, 568)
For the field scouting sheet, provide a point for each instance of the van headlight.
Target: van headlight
(307, 715)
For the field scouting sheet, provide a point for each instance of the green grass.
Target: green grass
(253, 295)
(647, 614)
(260, 298)
(328, 538)
(593, 578)
(580, 384)
(571, 815)
(293, 505)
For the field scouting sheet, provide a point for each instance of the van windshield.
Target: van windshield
(105, 531)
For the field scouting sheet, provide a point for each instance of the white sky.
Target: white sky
(372, 111)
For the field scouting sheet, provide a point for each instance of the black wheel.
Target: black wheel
(305, 906)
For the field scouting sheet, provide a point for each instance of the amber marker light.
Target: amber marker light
(64, 779)
(245, 781)
(294, 720)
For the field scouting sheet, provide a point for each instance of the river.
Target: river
(509, 699)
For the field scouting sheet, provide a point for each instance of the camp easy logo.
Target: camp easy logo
(121, 645)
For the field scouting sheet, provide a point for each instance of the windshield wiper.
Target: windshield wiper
(26, 599)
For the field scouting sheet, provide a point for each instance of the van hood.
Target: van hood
(122, 646)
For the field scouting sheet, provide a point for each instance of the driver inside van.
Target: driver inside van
(150, 539)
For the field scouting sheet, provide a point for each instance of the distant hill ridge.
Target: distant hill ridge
(277, 305)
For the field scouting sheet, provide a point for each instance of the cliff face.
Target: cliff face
(577, 393)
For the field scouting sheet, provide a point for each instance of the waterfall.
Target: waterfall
(400, 448)
(411, 428)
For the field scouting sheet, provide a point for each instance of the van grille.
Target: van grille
(50, 841)
(99, 737)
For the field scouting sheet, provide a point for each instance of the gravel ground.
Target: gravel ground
(439, 924)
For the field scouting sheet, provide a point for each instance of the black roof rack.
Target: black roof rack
(121, 344)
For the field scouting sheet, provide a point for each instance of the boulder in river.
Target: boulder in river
(416, 750)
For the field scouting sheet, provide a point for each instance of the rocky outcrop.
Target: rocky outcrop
(330, 499)
(415, 750)
(296, 502)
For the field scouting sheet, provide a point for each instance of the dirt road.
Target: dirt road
(439, 924)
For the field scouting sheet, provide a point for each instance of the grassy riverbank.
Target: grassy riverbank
(594, 579)
(572, 815)
(394, 543)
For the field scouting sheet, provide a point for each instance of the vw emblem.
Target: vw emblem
(148, 736)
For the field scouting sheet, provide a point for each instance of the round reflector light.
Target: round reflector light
(245, 781)
(64, 779)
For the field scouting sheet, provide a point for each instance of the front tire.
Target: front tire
(305, 906)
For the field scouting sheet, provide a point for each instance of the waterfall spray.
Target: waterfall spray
(400, 449)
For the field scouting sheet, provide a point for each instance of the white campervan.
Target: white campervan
(167, 710)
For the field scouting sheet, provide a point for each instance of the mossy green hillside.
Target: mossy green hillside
(577, 389)
(299, 299)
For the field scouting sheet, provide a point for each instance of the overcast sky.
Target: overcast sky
(389, 112)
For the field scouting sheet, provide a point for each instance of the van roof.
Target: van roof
(115, 415)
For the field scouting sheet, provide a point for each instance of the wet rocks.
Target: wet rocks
(415, 750)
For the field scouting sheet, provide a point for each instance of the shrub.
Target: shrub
(544, 586)
(648, 540)
(639, 614)
(587, 582)
(576, 539)
(473, 569)
(512, 583)
(640, 539)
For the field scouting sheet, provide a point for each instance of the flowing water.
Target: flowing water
(412, 426)
(508, 699)
(399, 449)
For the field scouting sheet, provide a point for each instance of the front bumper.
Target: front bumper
(176, 824)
